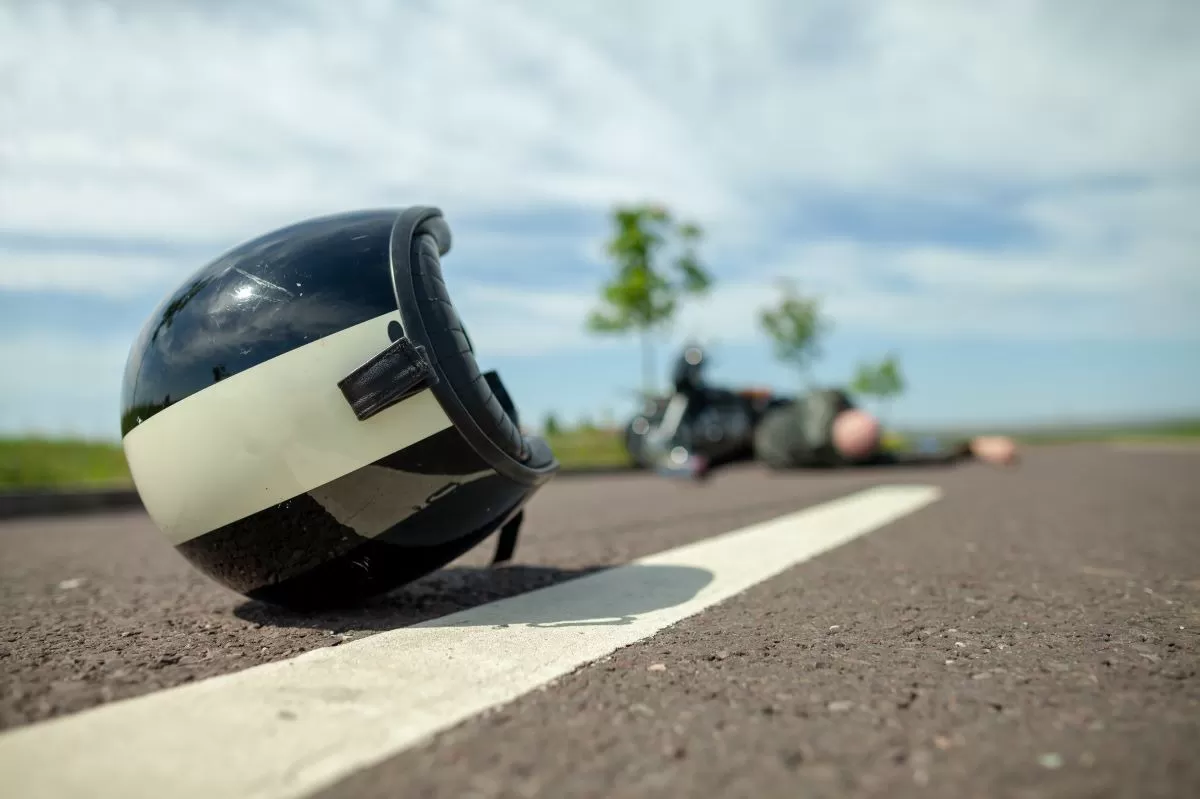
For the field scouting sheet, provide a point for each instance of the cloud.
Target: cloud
(506, 321)
(216, 121)
(96, 274)
(928, 95)
(1117, 264)
(931, 168)
(206, 121)
(1122, 264)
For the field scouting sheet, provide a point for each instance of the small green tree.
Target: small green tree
(883, 381)
(551, 425)
(644, 293)
(796, 327)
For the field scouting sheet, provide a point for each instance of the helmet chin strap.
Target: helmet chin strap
(506, 542)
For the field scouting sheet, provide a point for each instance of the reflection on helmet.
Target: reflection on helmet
(305, 420)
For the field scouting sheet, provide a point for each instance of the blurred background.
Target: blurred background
(1000, 198)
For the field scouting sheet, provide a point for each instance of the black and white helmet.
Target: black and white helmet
(305, 420)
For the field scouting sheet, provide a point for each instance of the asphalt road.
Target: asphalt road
(1033, 633)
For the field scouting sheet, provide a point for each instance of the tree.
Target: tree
(796, 327)
(644, 293)
(882, 380)
(551, 426)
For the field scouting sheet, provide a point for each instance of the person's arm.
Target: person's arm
(945, 456)
(994, 450)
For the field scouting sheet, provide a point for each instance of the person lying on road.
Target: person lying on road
(824, 429)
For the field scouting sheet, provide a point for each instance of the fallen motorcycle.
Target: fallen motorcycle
(698, 422)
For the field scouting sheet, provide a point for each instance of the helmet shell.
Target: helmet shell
(251, 460)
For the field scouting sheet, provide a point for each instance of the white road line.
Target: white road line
(289, 728)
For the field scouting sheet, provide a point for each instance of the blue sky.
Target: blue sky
(1004, 196)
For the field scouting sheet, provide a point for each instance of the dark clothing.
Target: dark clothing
(943, 457)
(800, 435)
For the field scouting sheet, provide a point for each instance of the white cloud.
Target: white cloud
(214, 122)
(1122, 264)
(75, 272)
(878, 94)
(193, 122)
(208, 120)
(505, 321)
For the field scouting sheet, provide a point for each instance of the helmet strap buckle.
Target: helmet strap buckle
(399, 372)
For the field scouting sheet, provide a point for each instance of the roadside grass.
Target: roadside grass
(61, 463)
(27, 463)
(583, 449)
(1182, 430)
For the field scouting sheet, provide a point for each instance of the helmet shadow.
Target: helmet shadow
(612, 596)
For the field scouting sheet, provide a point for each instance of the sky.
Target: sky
(1002, 194)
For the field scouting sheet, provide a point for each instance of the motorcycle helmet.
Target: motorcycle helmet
(688, 375)
(305, 420)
